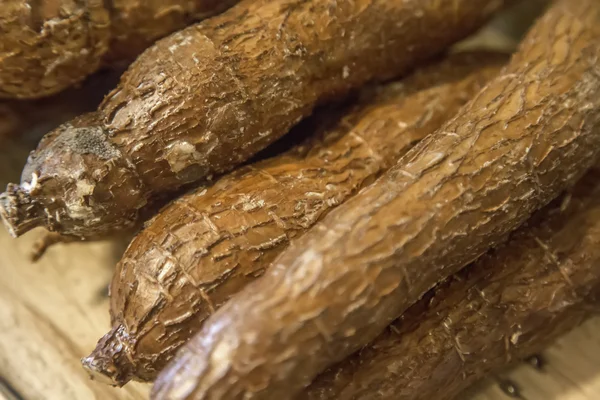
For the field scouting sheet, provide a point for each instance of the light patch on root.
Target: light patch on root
(78, 208)
(514, 338)
(30, 186)
(253, 205)
(84, 188)
(180, 155)
(346, 72)
(182, 39)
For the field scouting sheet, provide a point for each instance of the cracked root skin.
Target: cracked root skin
(135, 24)
(212, 95)
(209, 244)
(507, 305)
(83, 165)
(49, 45)
(523, 139)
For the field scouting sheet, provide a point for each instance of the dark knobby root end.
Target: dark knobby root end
(19, 212)
(110, 362)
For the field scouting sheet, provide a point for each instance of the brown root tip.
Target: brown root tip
(19, 212)
(109, 362)
(48, 240)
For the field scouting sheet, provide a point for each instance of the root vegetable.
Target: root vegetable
(523, 139)
(206, 246)
(209, 97)
(506, 306)
(136, 24)
(48, 46)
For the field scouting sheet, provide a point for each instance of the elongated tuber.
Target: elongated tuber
(209, 97)
(136, 24)
(210, 243)
(47, 46)
(527, 135)
(507, 305)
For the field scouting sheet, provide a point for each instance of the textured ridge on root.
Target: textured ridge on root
(19, 212)
(109, 362)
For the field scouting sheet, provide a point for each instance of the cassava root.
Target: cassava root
(207, 98)
(206, 246)
(47, 46)
(529, 134)
(509, 304)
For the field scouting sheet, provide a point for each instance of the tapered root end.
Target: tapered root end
(109, 362)
(19, 212)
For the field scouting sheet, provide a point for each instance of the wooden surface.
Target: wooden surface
(53, 312)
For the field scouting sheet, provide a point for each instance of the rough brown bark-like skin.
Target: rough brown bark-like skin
(47, 46)
(531, 132)
(209, 244)
(135, 24)
(209, 97)
(507, 305)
